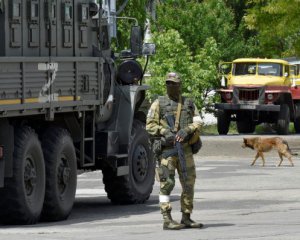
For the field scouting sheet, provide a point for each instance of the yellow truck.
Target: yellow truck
(256, 90)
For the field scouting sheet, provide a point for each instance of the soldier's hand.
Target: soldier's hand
(181, 135)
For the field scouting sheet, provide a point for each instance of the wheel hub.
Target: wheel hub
(29, 176)
(140, 163)
(63, 175)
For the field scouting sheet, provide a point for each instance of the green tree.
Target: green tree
(192, 37)
(277, 25)
(174, 55)
(196, 21)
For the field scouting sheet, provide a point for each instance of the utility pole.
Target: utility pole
(151, 8)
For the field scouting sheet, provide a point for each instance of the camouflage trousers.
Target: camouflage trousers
(166, 186)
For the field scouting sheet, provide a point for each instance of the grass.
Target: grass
(213, 130)
(260, 129)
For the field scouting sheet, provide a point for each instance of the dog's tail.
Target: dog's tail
(288, 148)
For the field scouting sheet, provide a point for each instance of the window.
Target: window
(264, 69)
(270, 69)
(244, 69)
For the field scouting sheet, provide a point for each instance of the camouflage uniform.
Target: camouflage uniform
(157, 126)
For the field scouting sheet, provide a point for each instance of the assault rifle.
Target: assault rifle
(177, 150)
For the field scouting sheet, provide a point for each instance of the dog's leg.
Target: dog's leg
(289, 157)
(291, 161)
(263, 159)
(256, 157)
(281, 159)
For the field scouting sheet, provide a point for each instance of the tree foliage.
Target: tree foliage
(277, 25)
(192, 37)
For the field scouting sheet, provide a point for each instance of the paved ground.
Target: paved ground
(232, 199)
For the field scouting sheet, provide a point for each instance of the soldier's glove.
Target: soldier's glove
(181, 134)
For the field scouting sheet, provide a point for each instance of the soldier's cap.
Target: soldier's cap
(173, 77)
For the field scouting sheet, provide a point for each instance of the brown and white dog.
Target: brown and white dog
(262, 145)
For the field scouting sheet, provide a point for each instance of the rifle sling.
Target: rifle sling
(178, 115)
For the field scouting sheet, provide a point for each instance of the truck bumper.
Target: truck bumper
(245, 107)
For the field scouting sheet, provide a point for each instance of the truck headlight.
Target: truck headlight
(228, 95)
(270, 96)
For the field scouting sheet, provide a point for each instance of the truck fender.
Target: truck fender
(130, 98)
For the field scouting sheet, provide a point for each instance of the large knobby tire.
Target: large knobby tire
(297, 118)
(137, 186)
(245, 126)
(283, 121)
(61, 174)
(223, 121)
(21, 199)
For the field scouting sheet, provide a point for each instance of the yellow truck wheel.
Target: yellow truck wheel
(223, 121)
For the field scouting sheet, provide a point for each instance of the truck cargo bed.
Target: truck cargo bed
(37, 85)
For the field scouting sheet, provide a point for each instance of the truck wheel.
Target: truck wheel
(61, 174)
(283, 121)
(223, 122)
(22, 197)
(137, 186)
(245, 126)
(297, 118)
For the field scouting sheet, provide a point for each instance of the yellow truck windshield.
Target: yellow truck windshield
(252, 68)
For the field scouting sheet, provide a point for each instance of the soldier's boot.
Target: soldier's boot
(169, 223)
(188, 222)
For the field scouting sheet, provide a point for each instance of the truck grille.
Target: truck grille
(253, 95)
(249, 94)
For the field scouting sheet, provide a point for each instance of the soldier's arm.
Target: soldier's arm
(153, 124)
(197, 122)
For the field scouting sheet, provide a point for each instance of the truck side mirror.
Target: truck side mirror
(136, 41)
(286, 74)
(149, 49)
(224, 69)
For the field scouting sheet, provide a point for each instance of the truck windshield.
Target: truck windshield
(270, 69)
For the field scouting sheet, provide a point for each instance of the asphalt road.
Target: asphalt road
(232, 199)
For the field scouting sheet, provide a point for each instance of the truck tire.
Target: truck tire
(223, 122)
(22, 197)
(283, 121)
(245, 126)
(297, 118)
(137, 186)
(61, 174)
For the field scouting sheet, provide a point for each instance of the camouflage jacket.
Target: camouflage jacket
(189, 117)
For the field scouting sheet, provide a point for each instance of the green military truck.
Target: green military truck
(66, 105)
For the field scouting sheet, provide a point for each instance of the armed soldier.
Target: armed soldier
(175, 121)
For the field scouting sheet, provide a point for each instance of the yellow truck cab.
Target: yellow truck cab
(268, 72)
(256, 90)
